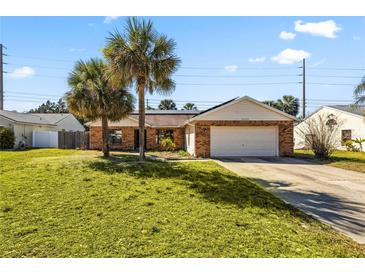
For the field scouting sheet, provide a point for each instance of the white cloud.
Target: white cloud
(290, 56)
(109, 19)
(287, 35)
(256, 60)
(326, 29)
(356, 38)
(231, 68)
(23, 72)
(77, 49)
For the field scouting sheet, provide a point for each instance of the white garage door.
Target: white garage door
(45, 139)
(244, 141)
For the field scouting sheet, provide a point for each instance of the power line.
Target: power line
(37, 66)
(34, 93)
(331, 84)
(41, 58)
(334, 76)
(235, 76)
(61, 93)
(235, 84)
(328, 68)
(238, 68)
(38, 75)
(202, 67)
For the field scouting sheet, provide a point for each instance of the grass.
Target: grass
(343, 159)
(171, 155)
(64, 203)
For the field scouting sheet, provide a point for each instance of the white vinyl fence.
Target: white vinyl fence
(45, 139)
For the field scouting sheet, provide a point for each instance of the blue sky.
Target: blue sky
(222, 57)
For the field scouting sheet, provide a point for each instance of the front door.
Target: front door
(136, 139)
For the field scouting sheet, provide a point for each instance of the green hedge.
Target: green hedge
(7, 138)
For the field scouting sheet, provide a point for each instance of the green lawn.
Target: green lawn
(342, 159)
(64, 203)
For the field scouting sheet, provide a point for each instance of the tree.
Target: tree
(167, 104)
(190, 106)
(51, 107)
(94, 95)
(289, 104)
(271, 103)
(359, 92)
(145, 58)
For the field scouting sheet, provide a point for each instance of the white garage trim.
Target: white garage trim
(45, 139)
(244, 141)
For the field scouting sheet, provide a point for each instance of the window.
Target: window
(115, 137)
(164, 133)
(346, 135)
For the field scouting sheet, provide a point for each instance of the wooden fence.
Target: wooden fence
(73, 140)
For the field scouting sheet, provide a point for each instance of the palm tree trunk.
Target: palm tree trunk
(104, 132)
(141, 119)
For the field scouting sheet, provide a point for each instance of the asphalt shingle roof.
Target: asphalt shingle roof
(166, 118)
(359, 110)
(26, 118)
(54, 118)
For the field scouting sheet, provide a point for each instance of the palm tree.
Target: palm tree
(271, 103)
(145, 58)
(289, 104)
(359, 141)
(167, 104)
(190, 106)
(359, 92)
(92, 96)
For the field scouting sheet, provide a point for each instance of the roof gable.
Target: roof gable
(333, 109)
(244, 108)
(356, 110)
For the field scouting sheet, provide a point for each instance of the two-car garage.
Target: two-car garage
(244, 141)
(241, 127)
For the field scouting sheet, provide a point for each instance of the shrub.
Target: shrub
(7, 138)
(320, 135)
(359, 142)
(349, 145)
(168, 144)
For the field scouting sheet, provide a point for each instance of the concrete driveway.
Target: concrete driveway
(330, 194)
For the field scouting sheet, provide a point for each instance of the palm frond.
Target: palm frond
(359, 92)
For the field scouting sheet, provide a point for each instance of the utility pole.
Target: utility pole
(303, 82)
(1, 78)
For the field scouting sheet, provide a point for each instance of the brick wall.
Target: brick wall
(179, 137)
(128, 138)
(202, 136)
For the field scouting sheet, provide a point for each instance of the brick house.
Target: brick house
(239, 127)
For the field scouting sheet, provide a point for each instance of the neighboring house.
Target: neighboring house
(27, 125)
(239, 127)
(350, 121)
